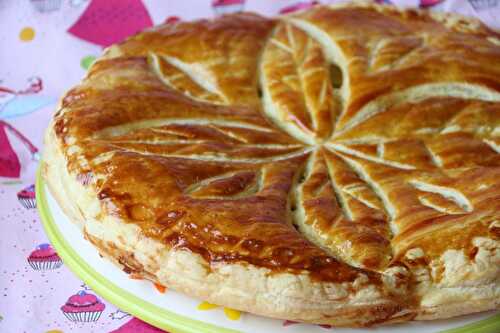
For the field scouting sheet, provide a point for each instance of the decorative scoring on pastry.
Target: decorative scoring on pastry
(353, 147)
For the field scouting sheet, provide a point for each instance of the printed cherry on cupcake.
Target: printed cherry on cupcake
(83, 307)
(44, 258)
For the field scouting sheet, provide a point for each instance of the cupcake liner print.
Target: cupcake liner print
(222, 7)
(85, 178)
(83, 317)
(27, 197)
(83, 307)
(483, 4)
(46, 6)
(44, 258)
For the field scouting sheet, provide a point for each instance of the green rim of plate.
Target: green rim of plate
(151, 313)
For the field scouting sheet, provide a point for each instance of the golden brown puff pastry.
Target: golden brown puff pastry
(338, 166)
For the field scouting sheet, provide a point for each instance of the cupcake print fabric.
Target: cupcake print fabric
(46, 46)
(83, 307)
(27, 197)
(44, 258)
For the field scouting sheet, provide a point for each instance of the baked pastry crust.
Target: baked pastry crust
(337, 166)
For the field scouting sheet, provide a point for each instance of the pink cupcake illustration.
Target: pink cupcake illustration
(27, 197)
(222, 7)
(46, 6)
(83, 307)
(44, 258)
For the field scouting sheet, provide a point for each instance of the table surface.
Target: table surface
(46, 47)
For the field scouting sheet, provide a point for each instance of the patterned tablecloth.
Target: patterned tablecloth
(45, 48)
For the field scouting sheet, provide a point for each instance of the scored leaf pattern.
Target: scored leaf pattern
(196, 84)
(397, 52)
(362, 178)
(297, 87)
(399, 55)
(209, 61)
(339, 212)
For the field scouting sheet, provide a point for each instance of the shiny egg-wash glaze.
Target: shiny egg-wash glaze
(340, 165)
